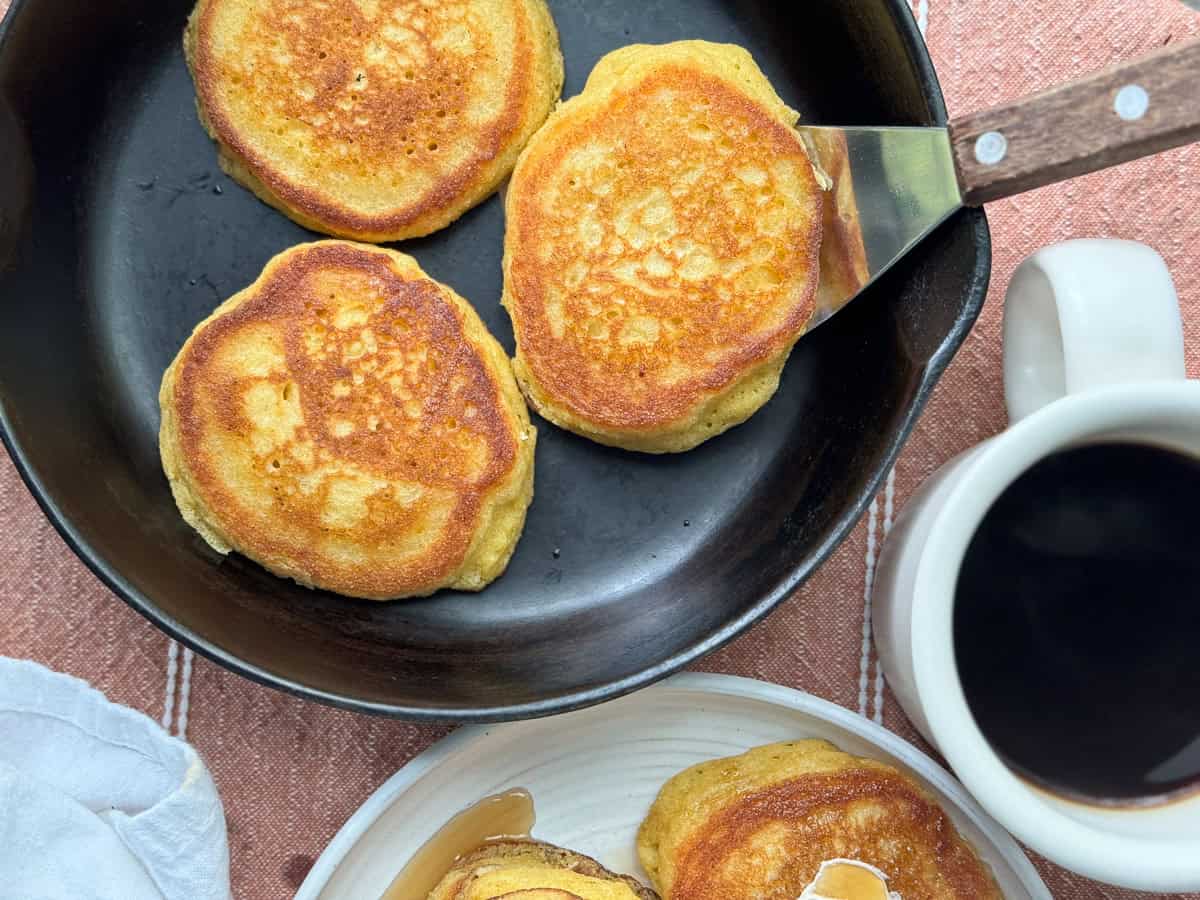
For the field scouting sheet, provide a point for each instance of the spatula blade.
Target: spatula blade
(891, 187)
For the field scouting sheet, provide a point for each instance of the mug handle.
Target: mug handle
(1087, 313)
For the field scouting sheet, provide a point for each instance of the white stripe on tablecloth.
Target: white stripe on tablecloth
(178, 694)
(872, 693)
(864, 659)
(889, 508)
(185, 693)
(169, 699)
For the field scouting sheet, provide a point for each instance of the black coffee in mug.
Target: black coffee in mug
(1077, 623)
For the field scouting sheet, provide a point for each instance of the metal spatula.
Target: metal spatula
(906, 181)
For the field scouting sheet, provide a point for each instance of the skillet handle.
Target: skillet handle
(1120, 113)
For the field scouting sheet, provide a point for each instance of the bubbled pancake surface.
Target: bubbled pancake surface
(372, 119)
(760, 824)
(661, 251)
(348, 422)
(533, 870)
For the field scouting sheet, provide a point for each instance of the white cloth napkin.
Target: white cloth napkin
(97, 801)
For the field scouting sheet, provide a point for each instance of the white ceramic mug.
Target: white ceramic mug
(1093, 351)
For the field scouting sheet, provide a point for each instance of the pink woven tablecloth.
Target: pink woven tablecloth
(291, 772)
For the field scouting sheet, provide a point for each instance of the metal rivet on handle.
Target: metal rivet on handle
(991, 147)
(1131, 102)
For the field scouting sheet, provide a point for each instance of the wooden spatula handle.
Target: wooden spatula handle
(1123, 112)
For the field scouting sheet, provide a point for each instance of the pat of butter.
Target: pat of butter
(848, 879)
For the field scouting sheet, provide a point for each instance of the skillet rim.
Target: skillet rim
(918, 55)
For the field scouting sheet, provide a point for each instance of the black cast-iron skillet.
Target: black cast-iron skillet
(118, 233)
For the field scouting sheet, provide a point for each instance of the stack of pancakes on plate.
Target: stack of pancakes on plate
(793, 821)
(532, 870)
(761, 825)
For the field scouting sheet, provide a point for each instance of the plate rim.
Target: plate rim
(736, 686)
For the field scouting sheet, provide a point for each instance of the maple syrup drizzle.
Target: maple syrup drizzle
(507, 815)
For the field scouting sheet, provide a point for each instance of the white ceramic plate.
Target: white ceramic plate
(594, 773)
